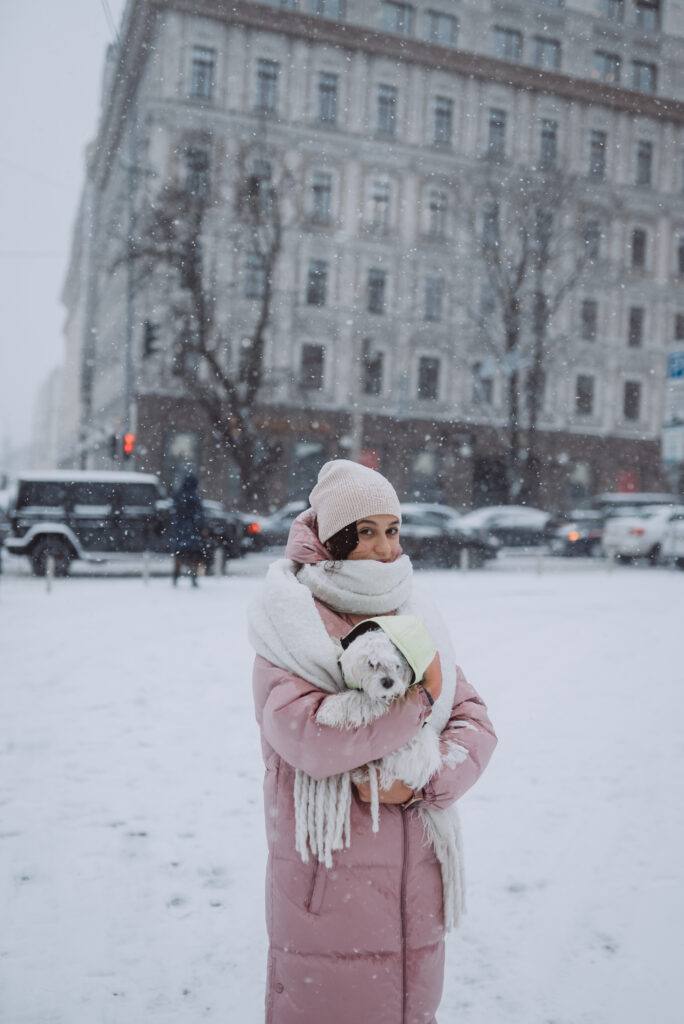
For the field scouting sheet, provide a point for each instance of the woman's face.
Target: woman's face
(378, 539)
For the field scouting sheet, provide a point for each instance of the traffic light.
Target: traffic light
(128, 445)
(150, 338)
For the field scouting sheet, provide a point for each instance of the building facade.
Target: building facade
(385, 118)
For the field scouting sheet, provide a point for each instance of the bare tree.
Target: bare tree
(528, 258)
(173, 247)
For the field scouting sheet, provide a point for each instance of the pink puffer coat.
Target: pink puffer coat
(364, 941)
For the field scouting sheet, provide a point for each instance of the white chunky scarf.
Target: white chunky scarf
(286, 629)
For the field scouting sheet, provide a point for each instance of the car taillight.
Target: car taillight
(573, 536)
(253, 528)
(637, 530)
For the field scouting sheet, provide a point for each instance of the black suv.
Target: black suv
(89, 515)
(96, 516)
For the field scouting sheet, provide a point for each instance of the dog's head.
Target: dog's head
(373, 664)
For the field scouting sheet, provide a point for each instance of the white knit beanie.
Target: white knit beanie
(347, 492)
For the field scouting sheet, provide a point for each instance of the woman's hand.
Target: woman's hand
(398, 793)
(432, 680)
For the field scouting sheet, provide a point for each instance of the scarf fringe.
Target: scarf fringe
(322, 815)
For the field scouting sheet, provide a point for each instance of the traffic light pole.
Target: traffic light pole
(129, 409)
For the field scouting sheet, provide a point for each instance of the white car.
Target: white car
(519, 525)
(643, 534)
(672, 548)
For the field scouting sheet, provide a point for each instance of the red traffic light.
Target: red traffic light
(128, 444)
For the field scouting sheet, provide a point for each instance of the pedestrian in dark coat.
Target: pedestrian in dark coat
(188, 528)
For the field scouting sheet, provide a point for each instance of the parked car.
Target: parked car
(274, 529)
(433, 534)
(225, 532)
(578, 533)
(640, 534)
(672, 547)
(617, 501)
(514, 525)
(4, 531)
(100, 516)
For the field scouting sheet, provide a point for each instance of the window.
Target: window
(589, 319)
(379, 205)
(612, 9)
(428, 378)
(327, 98)
(255, 276)
(443, 121)
(644, 162)
(647, 14)
(434, 298)
(311, 367)
(483, 384)
(506, 43)
(635, 334)
(584, 395)
(290, 5)
(592, 240)
(377, 280)
(321, 197)
(606, 67)
(548, 143)
(202, 73)
(395, 17)
(490, 223)
(441, 28)
(644, 76)
(497, 133)
(328, 8)
(372, 369)
(546, 53)
(438, 206)
(679, 327)
(387, 109)
(597, 154)
(680, 257)
(259, 190)
(631, 400)
(317, 282)
(267, 85)
(197, 171)
(638, 247)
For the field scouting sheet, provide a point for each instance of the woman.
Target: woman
(356, 919)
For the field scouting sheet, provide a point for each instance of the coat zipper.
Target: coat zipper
(402, 904)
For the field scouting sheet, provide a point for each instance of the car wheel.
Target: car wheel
(476, 559)
(55, 547)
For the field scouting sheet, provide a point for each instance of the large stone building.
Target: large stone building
(386, 119)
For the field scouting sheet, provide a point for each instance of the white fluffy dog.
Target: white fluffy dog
(379, 674)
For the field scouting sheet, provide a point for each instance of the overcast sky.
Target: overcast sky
(51, 60)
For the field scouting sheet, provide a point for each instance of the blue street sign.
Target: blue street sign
(675, 365)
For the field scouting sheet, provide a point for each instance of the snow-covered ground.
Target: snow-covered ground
(131, 836)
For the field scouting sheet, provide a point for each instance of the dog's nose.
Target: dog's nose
(387, 682)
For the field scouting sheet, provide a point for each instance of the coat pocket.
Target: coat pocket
(319, 880)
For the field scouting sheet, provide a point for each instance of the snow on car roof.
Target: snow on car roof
(97, 476)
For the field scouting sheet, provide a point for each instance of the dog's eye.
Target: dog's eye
(372, 663)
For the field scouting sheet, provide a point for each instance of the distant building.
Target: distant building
(385, 114)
